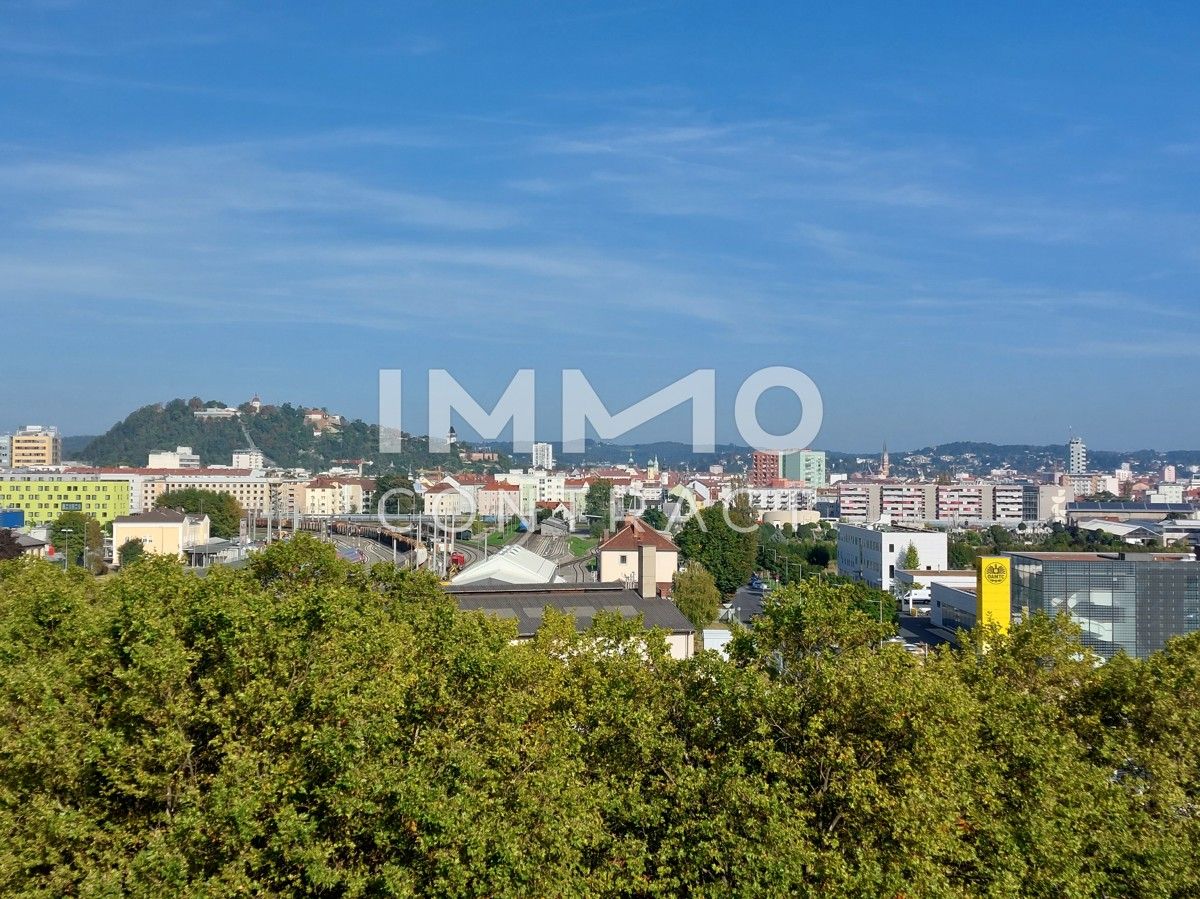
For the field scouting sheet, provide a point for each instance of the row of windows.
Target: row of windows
(42, 488)
(35, 505)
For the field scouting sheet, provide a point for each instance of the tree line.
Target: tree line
(304, 726)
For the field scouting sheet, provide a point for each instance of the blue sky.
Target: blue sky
(961, 224)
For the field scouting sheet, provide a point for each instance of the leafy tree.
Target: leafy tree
(726, 547)
(911, 559)
(819, 555)
(9, 547)
(960, 554)
(656, 518)
(223, 511)
(75, 534)
(130, 551)
(597, 505)
(304, 726)
(696, 594)
(398, 504)
(789, 530)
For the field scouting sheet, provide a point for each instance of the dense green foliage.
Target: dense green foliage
(306, 727)
(404, 502)
(656, 518)
(724, 541)
(73, 532)
(223, 511)
(789, 553)
(695, 593)
(9, 548)
(130, 551)
(597, 506)
(279, 431)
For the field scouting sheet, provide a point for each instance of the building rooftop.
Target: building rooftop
(1103, 557)
(1129, 507)
(513, 565)
(526, 604)
(952, 572)
(635, 533)
(158, 516)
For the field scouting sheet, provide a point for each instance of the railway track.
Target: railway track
(575, 571)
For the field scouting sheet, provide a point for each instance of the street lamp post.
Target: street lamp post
(67, 532)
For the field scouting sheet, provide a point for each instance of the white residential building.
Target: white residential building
(873, 555)
(780, 499)
(251, 459)
(180, 457)
(543, 456)
(1077, 459)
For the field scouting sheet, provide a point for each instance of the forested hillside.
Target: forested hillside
(279, 431)
(305, 727)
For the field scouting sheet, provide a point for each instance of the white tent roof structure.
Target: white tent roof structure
(511, 565)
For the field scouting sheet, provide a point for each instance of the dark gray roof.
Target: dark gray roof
(747, 604)
(211, 548)
(526, 603)
(1129, 507)
(154, 516)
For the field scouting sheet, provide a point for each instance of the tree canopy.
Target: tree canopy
(597, 505)
(9, 547)
(223, 511)
(130, 551)
(656, 518)
(74, 533)
(696, 594)
(304, 726)
(724, 541)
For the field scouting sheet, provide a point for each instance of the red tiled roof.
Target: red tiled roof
(187, 472)
(634, 534)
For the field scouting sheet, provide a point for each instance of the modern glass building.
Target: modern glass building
(1123, 601)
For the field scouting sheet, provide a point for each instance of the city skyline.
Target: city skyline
(960, 227)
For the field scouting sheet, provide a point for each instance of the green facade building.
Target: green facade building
(43, 497)
(804, 465)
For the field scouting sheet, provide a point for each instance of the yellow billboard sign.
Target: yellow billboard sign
(993, 592)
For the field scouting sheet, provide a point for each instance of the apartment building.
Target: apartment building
(637, 552)
(788, 465)
(35, 446)
(780, 499)
(250, 459)
(963, 503)
(543, 456)
(43, 497)
(253, 492)
(326, 496)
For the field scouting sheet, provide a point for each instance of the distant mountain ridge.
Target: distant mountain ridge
(287, 439)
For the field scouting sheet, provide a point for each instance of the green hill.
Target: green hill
(280, 432)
